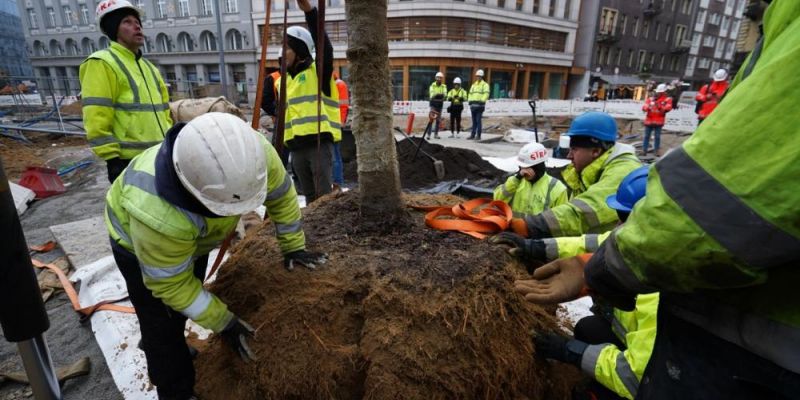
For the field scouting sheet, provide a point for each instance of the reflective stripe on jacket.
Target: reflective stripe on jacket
(301, 108)
(167, 239)
(125, 103)
(478, 92)
(716, 230)
(526, 198)
(571, 246)
(587, 211)
(657, 110)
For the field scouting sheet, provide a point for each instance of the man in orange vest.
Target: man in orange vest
(709, 95)
(269, 94)
(344, 108)
(656, 108)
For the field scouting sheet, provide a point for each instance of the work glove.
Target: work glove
(555, 346)
(524, 249)
(308, 259)
(559, 281)
(236, 334)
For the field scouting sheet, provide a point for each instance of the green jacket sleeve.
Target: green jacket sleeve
(167, 266)
(98, 91)
(571, 246)
(281, 203)
(505, 191)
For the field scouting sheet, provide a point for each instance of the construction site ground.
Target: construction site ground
(69, 339)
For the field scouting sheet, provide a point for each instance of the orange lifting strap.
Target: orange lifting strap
(476, 218)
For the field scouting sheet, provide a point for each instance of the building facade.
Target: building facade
(633, 42)
(749, 32)
(714, 34)
(525, 47)
(13, 54)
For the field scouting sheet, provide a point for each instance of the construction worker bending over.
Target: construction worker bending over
(531, 190)
(456, 96)
(598, 166)
(125, 101)
(477, 98)
(613, 346)
(436, 94)
(311, 162)
(718, 242)
(175, 203)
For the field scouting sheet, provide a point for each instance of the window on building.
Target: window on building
(32, 21)
(667, 32)
(207, 41)
(709, 41)
(714, 19)
(630, 58)
(520, 4)
(207, 7)
(162, 43)
(726, 23)
(646, 29)
(635, 26)
(661, 63)
(397, 84)
(704, 63)
(183, 8)
(103, 42)
(536, 6)
(231, 6)
(420, 78)
(88, 46)
(500, 86)
(680, 31)
(67, 15)
(673, 63)
(72, 48)
(568, 9)
(608, 20)
(185, 42)
(501, 3)
(535, 82)
(641, 60)
(552, 11)
(554, 89)
(686, 6)
(51, 17)
(84, 14)
(481, 1)
(234, 40)
(55, 48)
(658, 30)
(618, 58)
(161, 8)
(652, 62)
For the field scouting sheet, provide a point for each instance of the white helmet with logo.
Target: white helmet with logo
(720, 75)
(303, 34)
(532, 154)
(108, 6)
(457, 81)
(221, 161)
(479, 73)
(661, 88)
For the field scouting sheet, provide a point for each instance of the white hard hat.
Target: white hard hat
(532, 154)
(108, 6)
(661, 88)
(563, 141)
(720, 75)
(439, 75)
(479, 73)
(221, 161)
(457, 81)
(303, 34)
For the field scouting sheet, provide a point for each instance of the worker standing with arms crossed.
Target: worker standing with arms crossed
(437, 93)
(125, 101)
(456, 96)
(477, 98)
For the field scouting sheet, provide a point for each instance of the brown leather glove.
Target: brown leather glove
(557, 282)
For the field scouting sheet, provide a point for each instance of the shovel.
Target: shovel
(438, 165)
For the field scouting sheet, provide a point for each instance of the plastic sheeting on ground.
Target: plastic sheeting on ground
(22, 196)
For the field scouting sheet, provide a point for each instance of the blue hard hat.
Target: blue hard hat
(631, 190)
(595, 124)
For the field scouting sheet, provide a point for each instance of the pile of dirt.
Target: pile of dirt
(417, 171)
(18, 155)
(408, 315)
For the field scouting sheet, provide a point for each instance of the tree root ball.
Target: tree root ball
(413, 314)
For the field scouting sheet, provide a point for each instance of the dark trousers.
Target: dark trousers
(314, 170)
(656, 130)
(477, 115)
(169, 363)
(455, 121)
(690, 363)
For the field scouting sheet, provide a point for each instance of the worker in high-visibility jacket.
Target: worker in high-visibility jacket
(613, 346)
(477, 98)
(344, 108)
(172, 205)
(456, 96)
(719, 242)
(309, 133)
(598, 166)
(437, 92)
(125, 101)
(709, 95)
(531, 190)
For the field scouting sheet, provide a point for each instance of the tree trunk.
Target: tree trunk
(370, 83)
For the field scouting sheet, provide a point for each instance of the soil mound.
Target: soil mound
(416, 168)
(409, 315)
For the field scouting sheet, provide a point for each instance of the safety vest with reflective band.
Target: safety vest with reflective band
(587, 211)
(478, 92)
(437, 90)
(526, 198)
(167, 239)
(125, 103)
(727, 231)
(301, 108)
(622, 370)
(344, 99)
(571, 246)
(457, 96)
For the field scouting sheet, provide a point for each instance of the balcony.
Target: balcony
(681, 47)
(651, 10)
(754, 11)
(607, 35)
